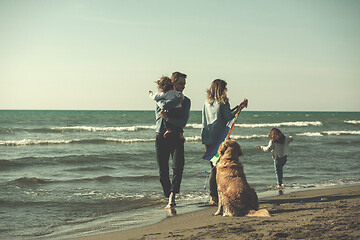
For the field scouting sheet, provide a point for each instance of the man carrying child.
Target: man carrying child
(169, 138)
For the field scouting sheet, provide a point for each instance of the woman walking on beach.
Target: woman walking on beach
(215, 115)
(279, 146)
(173, 143)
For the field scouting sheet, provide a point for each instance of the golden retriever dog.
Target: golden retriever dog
(236, 197)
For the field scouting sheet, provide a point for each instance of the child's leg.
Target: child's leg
(165, 125)
(167, 132)
(279, 164)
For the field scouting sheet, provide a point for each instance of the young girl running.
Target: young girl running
(279, 146)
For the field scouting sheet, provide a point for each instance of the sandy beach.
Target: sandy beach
(331, 213)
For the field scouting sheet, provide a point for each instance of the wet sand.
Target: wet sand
(331, 213)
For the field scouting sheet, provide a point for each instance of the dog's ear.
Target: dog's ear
(238, 149)
(222, 148)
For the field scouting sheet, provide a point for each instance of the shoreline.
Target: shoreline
(325, 213)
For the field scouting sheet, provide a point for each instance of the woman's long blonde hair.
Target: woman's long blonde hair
(217, 91)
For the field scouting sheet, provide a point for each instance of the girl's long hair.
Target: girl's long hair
(277, 136)
(217, 91)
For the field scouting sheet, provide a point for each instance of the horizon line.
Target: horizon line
(197, 110)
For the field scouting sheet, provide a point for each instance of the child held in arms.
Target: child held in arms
(167, 92)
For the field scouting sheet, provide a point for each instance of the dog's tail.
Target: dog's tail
(259, 213)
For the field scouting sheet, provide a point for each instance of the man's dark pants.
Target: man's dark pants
(171, 145)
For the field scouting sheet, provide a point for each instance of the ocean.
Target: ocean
(67, 174)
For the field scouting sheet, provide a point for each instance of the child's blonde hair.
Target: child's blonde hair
(164, 84)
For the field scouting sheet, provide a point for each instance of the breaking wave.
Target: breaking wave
(151, 127)
(287, 124)
(237, 137)
(262, 125)
(355, 122)
(104, 129)
(35, 142)
(29, 142)
(25, 142)
(328, 133)
(194, 125)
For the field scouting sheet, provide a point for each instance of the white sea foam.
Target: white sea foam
(355, 122)
(29, 142)
(134, 140)
(194, 125)
(324, 184)
(288, 124)
(35, 142)
(193, 139)
(105, 129)
(329, 133)
(237, 137)
(310, 134)
(338, 133)
(25, 142)
(261, 125)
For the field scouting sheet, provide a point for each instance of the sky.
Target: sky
(107, 54)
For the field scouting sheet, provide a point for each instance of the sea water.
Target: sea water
(65, 174)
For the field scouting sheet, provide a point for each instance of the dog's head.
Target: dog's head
(230, 149)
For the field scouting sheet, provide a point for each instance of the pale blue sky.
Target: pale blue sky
(82, 54)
